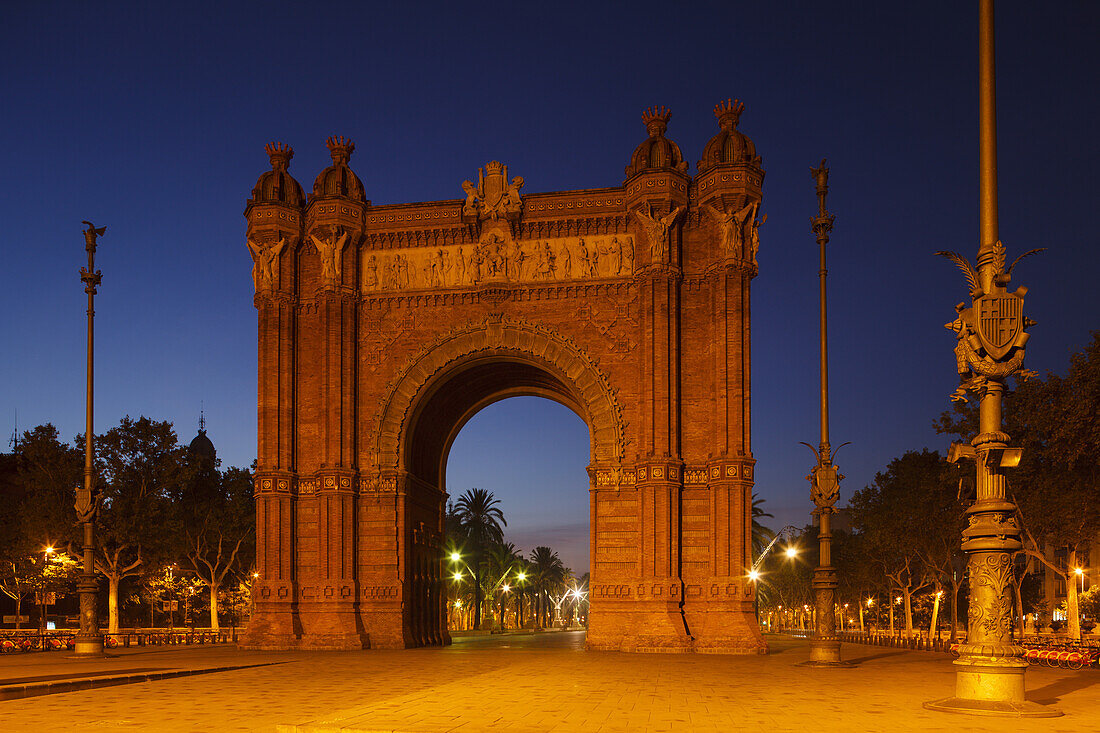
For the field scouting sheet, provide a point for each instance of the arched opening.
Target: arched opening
(467, 390)
(445, 406)
(423, 410)
(531, 456)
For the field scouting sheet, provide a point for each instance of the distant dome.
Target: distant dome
(657, 151)
(200, 444)
(338, 179)
(730, 145)
(276, 185)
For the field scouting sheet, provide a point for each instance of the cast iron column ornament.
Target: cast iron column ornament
(824, 478)
(989, 677)
(89, 642)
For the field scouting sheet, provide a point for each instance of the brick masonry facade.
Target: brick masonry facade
(383, 329)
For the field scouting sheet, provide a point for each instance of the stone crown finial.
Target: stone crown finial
(656, 120)
(340, 148)
(728, 113)
(280, 154)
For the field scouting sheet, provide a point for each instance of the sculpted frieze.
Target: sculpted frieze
(498, 258)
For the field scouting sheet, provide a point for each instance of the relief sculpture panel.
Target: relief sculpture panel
(498, 258)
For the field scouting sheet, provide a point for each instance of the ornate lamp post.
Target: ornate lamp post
(89, 642)
(824, 478)
(989, 677)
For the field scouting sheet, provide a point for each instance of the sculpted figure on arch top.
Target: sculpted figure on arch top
(265, 264)
(754, 232)
(731, 227)
(331, 250)
(657, 231)
(493, 198)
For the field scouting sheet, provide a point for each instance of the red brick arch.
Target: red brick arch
(383, 329)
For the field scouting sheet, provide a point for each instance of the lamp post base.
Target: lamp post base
(993, 708)
(88, 646)
(991, 688)
(825, 653)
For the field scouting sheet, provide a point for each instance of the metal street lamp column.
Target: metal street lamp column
(824, 478)
(89, 641)
(989, 678)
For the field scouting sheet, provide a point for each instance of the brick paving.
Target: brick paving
(540, 683)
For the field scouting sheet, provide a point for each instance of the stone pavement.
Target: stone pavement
(543, 682)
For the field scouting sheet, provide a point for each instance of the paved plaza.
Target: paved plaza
(543, 682)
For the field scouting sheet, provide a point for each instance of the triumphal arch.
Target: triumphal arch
(383, 329)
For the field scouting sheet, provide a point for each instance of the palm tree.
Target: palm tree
(501, 563)
(482, 521)
(522, 574)
(761, 535)
(547, 571)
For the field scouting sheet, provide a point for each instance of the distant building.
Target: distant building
(1054, 584)
(202, 445)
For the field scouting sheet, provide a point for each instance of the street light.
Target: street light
(1080, 572)
(824, 477)
(89, 642)
(48, 550)
(990, 669)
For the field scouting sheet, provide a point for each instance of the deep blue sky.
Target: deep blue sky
(151, 121)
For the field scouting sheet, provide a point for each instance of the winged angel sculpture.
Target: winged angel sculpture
(731, 227)
(265, 263)
(657, 231)
(331, 251)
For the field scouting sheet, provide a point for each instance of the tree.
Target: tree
(1056, 420)
(36, 511)
(547, 574)
(1056, 487)
(218, 515)
(171, 588)
(857, 578)
(483, 523)
(140, 471)
(906, 518)
(761, 535)
(502, 559)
